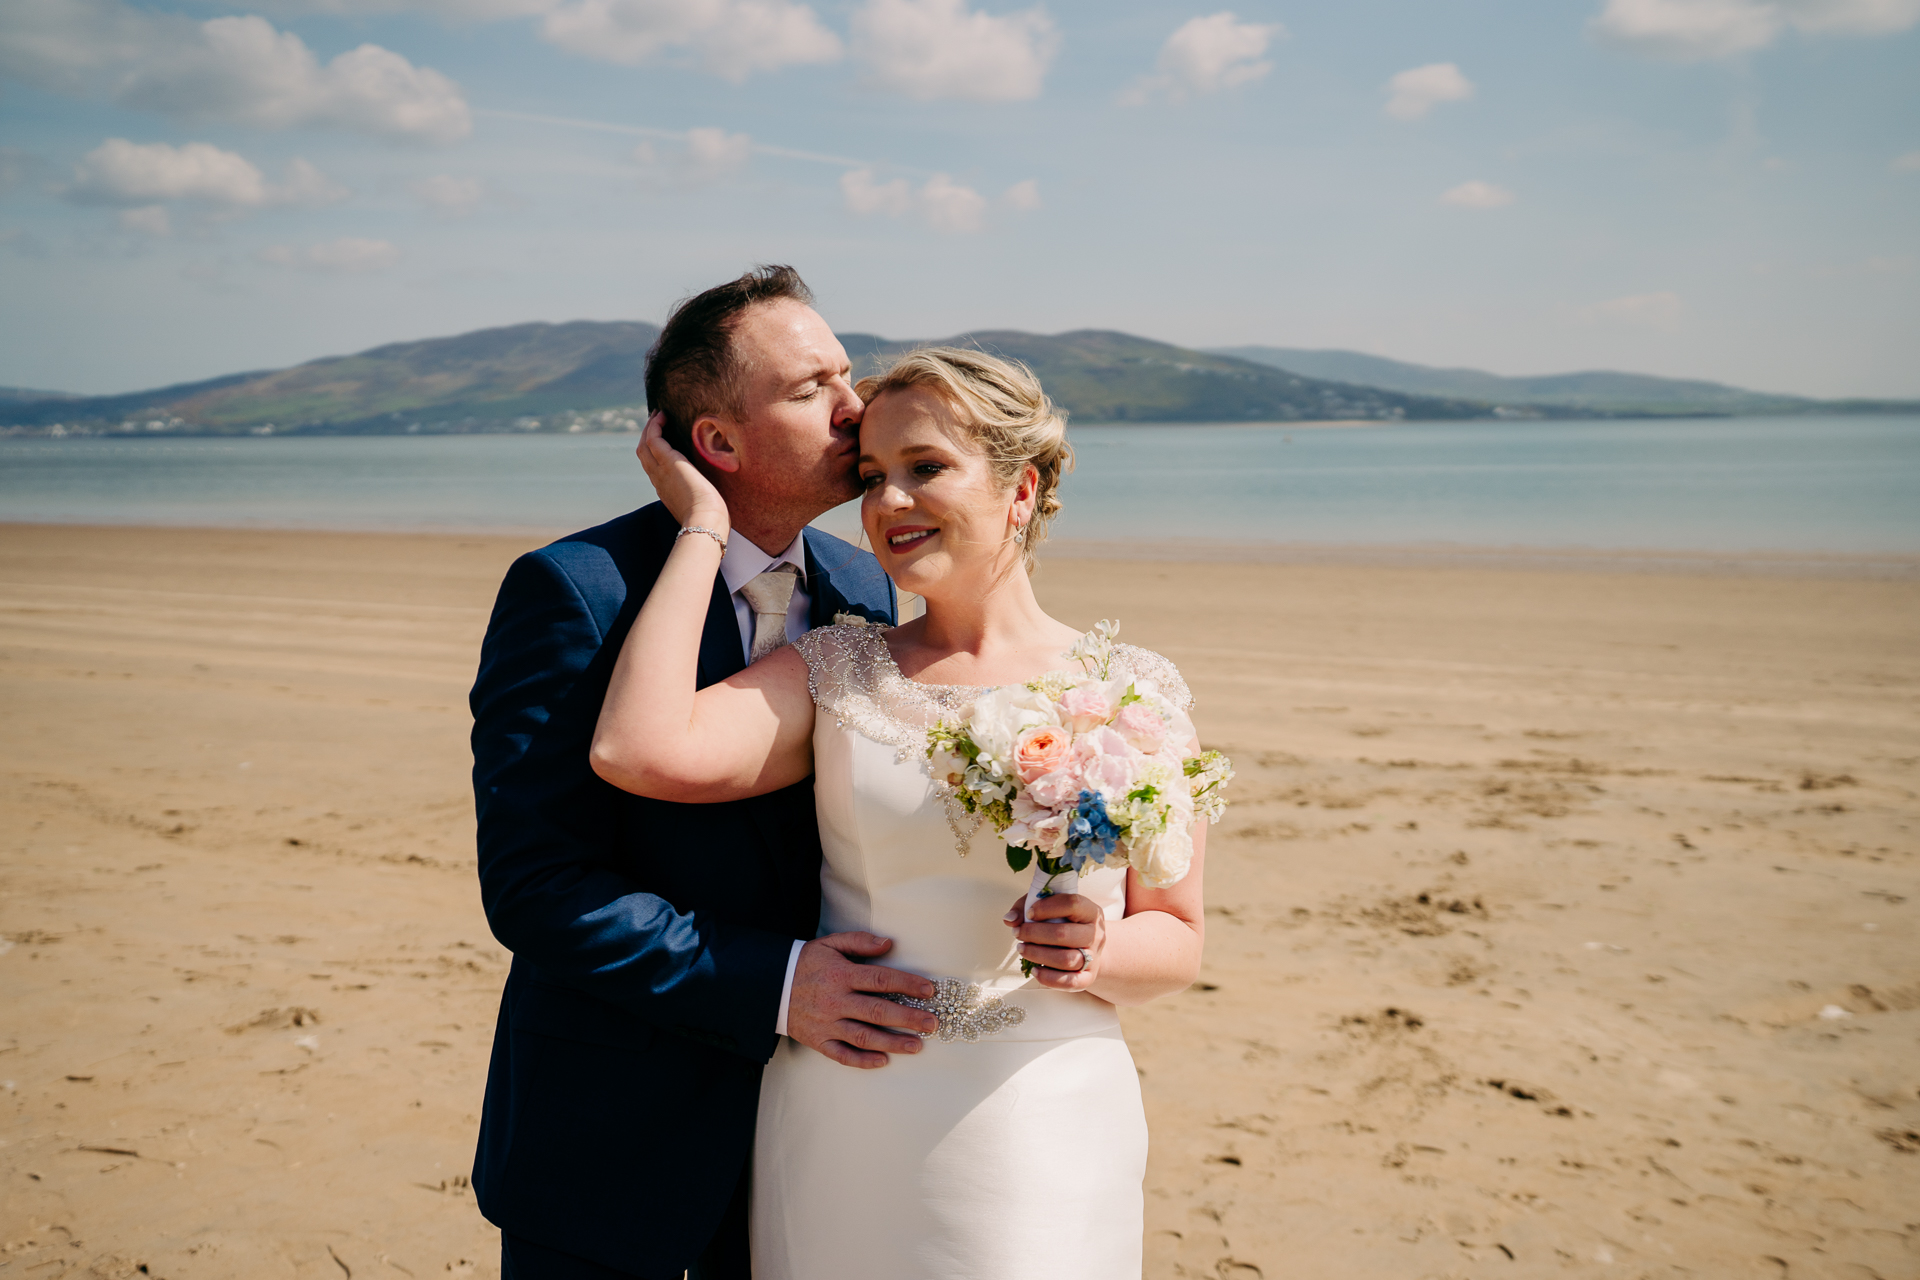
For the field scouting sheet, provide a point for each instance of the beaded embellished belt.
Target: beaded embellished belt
(964, 1010)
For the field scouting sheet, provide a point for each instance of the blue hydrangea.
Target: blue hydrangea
(1091, 834)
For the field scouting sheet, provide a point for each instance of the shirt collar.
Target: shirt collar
(743, 561)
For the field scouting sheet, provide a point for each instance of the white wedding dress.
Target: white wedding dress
(1013, 1146)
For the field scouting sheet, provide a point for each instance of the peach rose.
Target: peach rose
(1039, 751)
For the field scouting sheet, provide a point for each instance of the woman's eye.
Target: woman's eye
(869, 480)
(928, 469)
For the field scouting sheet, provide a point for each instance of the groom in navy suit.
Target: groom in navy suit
(660, 950)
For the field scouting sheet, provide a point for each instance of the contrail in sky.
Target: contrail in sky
(680, 135)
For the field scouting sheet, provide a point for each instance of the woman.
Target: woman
(1014, 1144)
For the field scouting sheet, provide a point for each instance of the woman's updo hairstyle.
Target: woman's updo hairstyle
(1009, 415)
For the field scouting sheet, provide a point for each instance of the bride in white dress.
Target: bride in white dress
(1013, 1145)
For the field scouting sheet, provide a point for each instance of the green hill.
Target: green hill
(588, 376)
(547, 376)
(477, 381)
(1101, 376)
(1599, 391)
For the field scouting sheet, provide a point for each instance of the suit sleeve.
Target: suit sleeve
(548, 881)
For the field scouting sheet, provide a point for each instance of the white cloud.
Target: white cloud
(707, 155)
(715, 153)
(943, 203)
(1207, 55)
(730, 38)
(148, 220)
(235, 69)
(1477, 195)
(119, 172)
(1691, 30)
(1660, 311)
(1024, 196)
(864, 195)
(448, 196)
(449, 10)
(951, 207)
(1908, 163)
(929, 49)
(1412, 94)
(346, 256)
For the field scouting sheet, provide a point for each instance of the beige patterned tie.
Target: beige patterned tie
(769, 595)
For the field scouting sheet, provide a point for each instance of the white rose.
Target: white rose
(1163, 860)
(999, 718)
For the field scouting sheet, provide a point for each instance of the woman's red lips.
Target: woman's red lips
(909, 536)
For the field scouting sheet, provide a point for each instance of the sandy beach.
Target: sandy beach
(1564, 921)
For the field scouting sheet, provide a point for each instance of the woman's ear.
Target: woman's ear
(713, 443)
(1025, 492)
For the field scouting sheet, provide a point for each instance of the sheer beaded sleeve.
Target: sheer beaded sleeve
(852, 677)
(1148, 665)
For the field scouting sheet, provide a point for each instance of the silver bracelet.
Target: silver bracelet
(694, 528)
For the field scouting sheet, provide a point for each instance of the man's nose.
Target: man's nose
(850, 409)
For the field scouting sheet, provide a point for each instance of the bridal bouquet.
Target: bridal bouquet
(1082, 769)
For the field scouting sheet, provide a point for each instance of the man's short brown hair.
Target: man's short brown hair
(692, 368)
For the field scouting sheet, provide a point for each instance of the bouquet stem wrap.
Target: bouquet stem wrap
(1046, 884)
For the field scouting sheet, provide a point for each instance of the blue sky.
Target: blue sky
(1715, 188)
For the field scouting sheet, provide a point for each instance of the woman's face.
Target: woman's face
(937, 517)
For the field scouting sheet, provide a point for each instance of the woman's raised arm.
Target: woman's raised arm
(657, 736)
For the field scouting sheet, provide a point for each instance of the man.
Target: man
(660, 949)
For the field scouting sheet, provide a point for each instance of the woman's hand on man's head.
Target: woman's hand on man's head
(688, 494)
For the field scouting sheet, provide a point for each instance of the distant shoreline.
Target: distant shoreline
(1890, 566)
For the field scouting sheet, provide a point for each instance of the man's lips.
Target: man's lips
(902, 539)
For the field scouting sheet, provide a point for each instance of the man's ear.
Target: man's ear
(714, 443)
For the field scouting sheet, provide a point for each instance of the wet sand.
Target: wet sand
(1564, 921)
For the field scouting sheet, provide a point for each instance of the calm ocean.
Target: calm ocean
(1800, 485)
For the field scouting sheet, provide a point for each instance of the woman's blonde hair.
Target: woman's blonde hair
(1011, 417)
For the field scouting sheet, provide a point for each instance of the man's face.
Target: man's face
(799, 443)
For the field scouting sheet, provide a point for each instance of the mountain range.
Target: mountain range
(588, 375)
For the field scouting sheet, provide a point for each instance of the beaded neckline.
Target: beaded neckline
(852, 676)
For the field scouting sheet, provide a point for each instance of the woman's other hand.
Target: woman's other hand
(1064, 938)
(689, 495)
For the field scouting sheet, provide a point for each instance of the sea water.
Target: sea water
(1843, 484)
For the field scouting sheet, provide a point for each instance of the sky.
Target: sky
(1726, 189)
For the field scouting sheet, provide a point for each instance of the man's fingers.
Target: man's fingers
(866, 1036)
(848, 1056)
(879, 978)
(857, 943)
(885, 1013)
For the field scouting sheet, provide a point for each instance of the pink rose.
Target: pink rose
(1085, 706)
(1040, 750)
(1054, 790)
(1105, 761)
(1141, 726)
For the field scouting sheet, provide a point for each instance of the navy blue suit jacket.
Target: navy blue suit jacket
(649, 939)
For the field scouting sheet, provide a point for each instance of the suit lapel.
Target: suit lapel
(720, 653)
(860, 573)
(826, 598)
